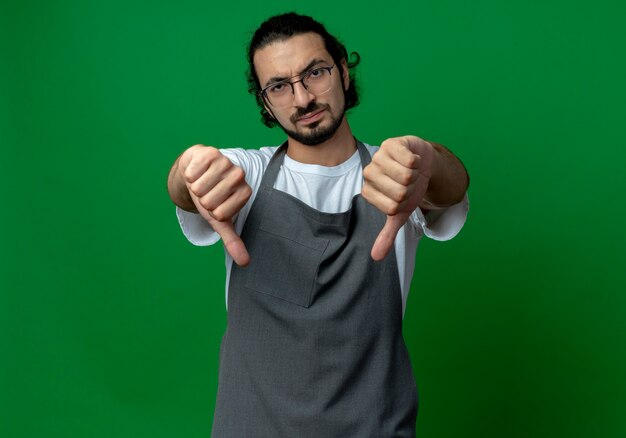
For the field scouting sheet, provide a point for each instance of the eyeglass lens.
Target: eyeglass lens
(317, 81)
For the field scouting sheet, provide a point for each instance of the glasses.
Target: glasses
(316, 81)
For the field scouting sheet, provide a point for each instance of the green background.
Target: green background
(110, 322)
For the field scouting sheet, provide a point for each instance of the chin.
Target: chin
(314, 137)
(315, 133)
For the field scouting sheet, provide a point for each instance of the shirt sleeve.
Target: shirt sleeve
(195, 228)
(441, 224)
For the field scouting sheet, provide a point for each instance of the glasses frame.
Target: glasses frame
(263, 93)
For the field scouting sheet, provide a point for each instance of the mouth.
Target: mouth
(311, 118)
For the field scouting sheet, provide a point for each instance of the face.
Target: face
(310, 119)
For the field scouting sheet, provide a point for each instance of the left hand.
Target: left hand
(395, 182)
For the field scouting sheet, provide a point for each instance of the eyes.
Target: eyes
(277, 88)
(307, 79)
(316, 81)
(315, 73)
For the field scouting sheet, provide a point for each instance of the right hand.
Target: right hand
(219, 190)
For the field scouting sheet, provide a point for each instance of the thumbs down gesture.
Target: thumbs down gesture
(395, 182)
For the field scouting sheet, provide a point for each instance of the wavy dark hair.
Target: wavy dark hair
(284, 26)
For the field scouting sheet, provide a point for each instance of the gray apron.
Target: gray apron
(313, 346)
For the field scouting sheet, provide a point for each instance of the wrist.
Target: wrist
(178, 191)
(448, 181)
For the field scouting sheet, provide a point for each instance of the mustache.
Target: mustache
(311, 107)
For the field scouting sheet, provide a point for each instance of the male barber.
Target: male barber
(323, 232)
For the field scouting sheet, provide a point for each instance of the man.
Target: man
(323, 232)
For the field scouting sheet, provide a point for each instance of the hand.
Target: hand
(395, 182)
(219, 190)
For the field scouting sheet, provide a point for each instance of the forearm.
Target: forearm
(177, 189)
(449, 181)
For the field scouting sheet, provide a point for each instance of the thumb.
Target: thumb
(232, 242)
(387, 236)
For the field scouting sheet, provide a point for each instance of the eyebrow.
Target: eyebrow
(310, 65)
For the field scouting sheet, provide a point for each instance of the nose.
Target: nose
(301, 96)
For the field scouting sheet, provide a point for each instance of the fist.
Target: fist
(217, 187)
(395, 182)
(219, 190)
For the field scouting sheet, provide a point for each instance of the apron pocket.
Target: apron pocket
(284, 267)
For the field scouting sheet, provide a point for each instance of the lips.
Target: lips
(310, 118)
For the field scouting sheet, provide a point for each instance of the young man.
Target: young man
(323, 232)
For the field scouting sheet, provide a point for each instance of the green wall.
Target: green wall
(110, 322)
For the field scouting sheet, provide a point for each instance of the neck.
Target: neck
(332, 152)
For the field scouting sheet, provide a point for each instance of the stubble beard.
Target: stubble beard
(314, 134)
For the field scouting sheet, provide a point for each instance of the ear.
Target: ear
(267, 108)
(269, 111)
(346, 74)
